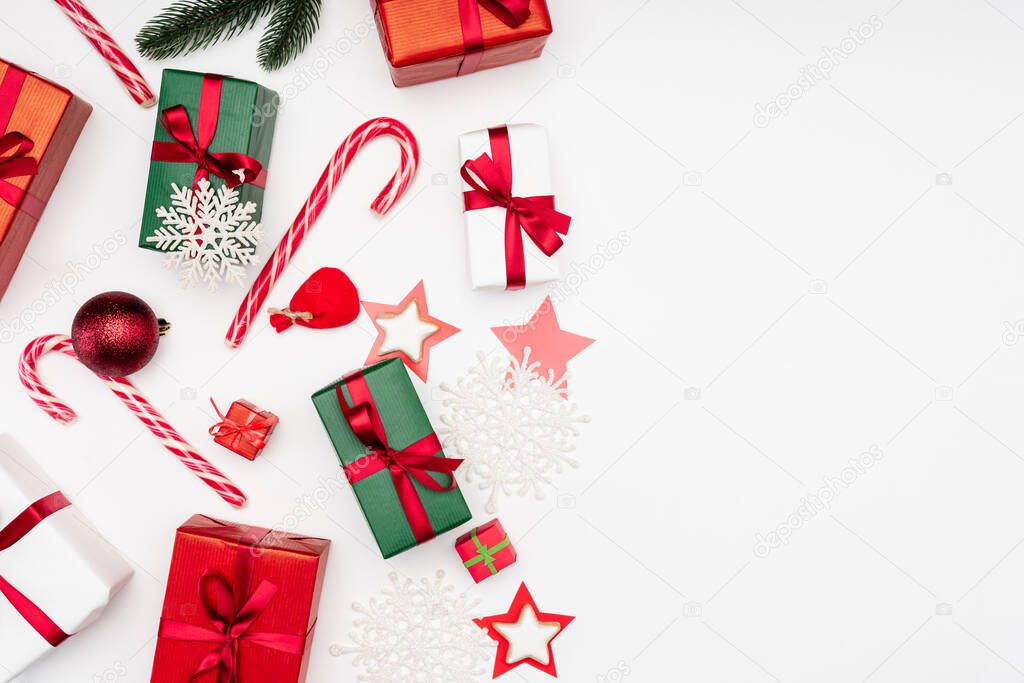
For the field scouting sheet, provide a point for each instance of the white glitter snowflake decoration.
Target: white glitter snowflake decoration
(419, 632)
(209, 236)
(513, 427)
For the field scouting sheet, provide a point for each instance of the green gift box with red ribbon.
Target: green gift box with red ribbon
(391, 456)
(209, 127)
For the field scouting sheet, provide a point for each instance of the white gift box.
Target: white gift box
(485, 228)
(62, 565)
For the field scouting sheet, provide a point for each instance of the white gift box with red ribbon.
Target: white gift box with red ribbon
(62, 565)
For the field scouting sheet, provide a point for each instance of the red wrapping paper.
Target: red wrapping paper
(245, 429)
(246, 557)
(424, 40)
(496, 554)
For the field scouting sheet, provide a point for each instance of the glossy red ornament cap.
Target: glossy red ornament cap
(116, 333)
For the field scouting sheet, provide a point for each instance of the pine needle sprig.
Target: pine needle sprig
(291, 27)
(189, 25)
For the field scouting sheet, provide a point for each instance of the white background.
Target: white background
(791, 295)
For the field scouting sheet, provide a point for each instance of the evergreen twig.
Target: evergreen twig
(291, 27)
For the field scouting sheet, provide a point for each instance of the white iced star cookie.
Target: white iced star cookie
(528, 638)
(405, 332)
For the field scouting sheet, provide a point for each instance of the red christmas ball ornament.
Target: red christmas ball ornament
(116, 333)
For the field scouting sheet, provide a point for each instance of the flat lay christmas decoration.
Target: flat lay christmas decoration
(40, 122)
(524, 635)
(551, 347)
(427, 40)
(513, 426)
(189, 25)
(213, 128)
(314, 206)
(168, 437)
(116, 333)
(418, 631)
(485, 550)
(326, 299)
(506, 173)
(208, 234)
(241, 601)
(64, 574)
(244, 429)
(407, 331)
(405, 484)
(90, 27)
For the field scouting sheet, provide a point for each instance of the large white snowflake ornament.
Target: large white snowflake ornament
(419, 632)
(209, 235)
(513, 426)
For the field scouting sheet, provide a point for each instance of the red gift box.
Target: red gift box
(241, 604)
(485, 550)
(427, 40)
(244, 429)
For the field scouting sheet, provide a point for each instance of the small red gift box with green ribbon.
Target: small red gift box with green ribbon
(485, 550)
(208, 127)
(245, 428)
(391, 456)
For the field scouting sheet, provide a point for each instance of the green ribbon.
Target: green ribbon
(485, 554)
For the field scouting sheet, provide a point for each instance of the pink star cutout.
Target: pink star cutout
(419, 296)
(550, 345)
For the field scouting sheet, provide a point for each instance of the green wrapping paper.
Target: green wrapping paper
(405, 423)
(245, 125)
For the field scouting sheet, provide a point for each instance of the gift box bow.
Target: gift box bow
(486, 554)
(253, 430)
(414, 462)
(15, 163)
(17, 529)
(491, 180)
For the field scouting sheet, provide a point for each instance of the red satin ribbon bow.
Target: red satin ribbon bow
(11, 534)
(406, 464)
(253, 431)
(491, 180)
(15, 163)
(511, 12)
(231, 626)
(193, 148)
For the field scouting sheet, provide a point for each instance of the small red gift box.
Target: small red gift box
(241, 604)
(427, 40)
(244, 429)
(485, 550)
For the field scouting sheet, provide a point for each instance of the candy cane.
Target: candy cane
(322, 192)
(108, 48)
(135, 401)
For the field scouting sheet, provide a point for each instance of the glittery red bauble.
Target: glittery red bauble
(115, 333)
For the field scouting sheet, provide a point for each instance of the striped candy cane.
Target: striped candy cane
(135, 401)
(322, 192)
(108, 48)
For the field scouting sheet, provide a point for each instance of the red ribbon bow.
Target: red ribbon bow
(407, 464)
(253, 431)
(511, 12)
(15, 163)
(193, 148)
(491, 180)
(11, 534)
(231, 626)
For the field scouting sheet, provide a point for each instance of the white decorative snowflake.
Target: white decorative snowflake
(420, 632)
(513, 426)
(209, 235)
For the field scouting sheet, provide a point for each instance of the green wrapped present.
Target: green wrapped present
(213, 127)
(391, 456)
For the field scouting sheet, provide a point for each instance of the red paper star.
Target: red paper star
(549, 344)
(524, 635)
(408, 331)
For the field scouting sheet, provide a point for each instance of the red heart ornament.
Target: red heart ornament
(327, 299)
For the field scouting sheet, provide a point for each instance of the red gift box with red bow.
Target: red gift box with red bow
(241, 604)
(245, 428)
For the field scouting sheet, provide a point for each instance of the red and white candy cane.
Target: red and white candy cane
(135, 401)
(108, 48)
(399, 183)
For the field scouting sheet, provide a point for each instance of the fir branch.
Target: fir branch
(292, 25)
(189, 25)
